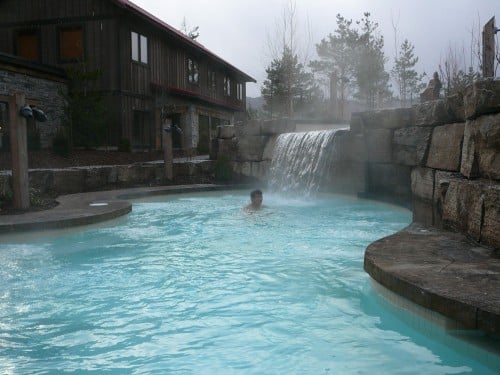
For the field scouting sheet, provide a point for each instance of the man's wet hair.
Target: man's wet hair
(255, 192)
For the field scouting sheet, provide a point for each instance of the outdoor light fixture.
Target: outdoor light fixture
(172, 128)
(40, 116)
(28, 112)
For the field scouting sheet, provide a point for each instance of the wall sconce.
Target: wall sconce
(28, 112)
(172, 128)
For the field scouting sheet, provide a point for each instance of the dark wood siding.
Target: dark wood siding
(127, 84)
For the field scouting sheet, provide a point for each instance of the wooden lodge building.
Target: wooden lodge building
(150, 72)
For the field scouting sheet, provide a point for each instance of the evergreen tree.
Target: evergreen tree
(288, 88)
(372, 81)
(408, 80)
(336, 58)
(355, 58)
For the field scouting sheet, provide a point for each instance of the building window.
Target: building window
(212, 81)
(192, 71)
(28, 45)
(227, 86)
(139, 44)
(239, 91)
(71, 43)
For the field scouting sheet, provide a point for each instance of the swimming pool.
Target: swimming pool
(191, 284)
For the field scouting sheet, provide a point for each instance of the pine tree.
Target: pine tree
(372, 80)
(408, 80)
(288, 88)
(336, 58)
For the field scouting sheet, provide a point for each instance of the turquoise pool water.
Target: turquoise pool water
(191, 284)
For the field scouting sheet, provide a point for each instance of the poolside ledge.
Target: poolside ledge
(442, 271)
(91, 207)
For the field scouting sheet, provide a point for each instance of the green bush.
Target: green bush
(124, 145)
(6, 199)
(61, 145)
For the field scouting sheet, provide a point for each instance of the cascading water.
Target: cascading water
(301, 162)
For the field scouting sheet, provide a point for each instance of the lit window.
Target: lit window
(227, 86)
(239, 91)
(139, 46)
(28, 45)
(71, 43)
(192, 71)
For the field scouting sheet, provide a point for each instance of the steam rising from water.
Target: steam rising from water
(301, 161)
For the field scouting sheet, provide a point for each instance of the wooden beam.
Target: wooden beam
(489, 32)
(19, 152)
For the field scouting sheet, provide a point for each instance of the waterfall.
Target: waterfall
(301, 162)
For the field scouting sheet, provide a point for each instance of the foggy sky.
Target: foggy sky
(238, 31)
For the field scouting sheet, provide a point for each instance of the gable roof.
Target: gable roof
(137, 10)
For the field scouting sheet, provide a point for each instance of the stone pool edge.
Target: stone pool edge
(93, 207)
(442, 271)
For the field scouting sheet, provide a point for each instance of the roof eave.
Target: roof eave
(182, 37)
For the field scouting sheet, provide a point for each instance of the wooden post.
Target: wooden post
(19, 152)
(489, 32)
(168, 154)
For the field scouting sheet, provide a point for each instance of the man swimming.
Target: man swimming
(255, 201)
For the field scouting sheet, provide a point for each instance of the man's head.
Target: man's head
(256, 198)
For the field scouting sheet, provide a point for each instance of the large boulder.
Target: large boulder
(378, 145)
(482, 97)
(389, 179)
(387, 118)
(432, 113)
(422, 183)
(445, 149)
(68, 180)
(473, 208)
(410, 145)
(481, 148)
(251, 148)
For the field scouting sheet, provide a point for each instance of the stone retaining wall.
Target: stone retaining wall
(93, 178)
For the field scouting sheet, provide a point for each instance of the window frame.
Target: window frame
(32, 31)
(239, 91)
(60, 30)
(212, 80)
(192, 71)
(141, 55)
(227, 86)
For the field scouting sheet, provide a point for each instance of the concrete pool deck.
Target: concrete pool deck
(91, 207)
(437, 269)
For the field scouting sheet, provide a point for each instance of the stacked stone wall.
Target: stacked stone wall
(93, 178)
(47, 93)
(443, 154)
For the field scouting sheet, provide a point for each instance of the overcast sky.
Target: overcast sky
(238, 31)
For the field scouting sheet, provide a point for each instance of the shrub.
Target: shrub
(124, 145)
(61, 145)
